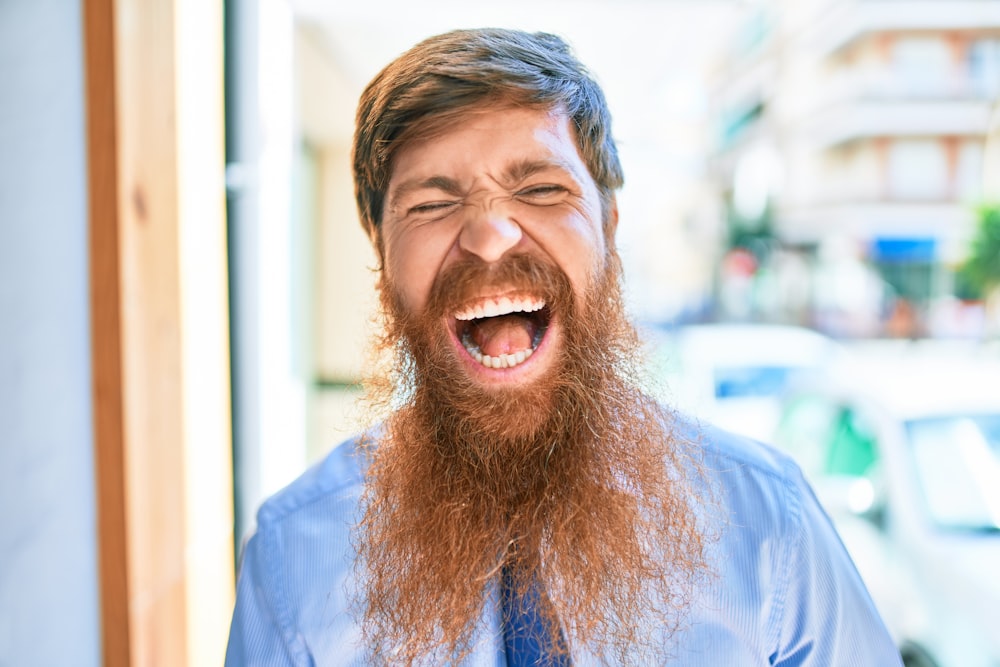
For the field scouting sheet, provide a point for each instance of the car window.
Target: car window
(957, 462)
(751, 381)
(805, 431)
(827, 438)
(852, 451)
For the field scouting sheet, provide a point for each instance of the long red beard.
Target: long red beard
(574, 481)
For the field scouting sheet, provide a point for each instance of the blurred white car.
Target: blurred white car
(906, 459)
(735, 375)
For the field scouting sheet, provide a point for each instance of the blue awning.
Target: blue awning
(904, 249)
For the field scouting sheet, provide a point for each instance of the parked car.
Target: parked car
(734, 375)
(906, 459)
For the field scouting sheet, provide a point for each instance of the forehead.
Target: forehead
(491, 135)
(442, 122)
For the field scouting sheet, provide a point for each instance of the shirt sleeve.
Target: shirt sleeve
(827, 618)
(261, 629)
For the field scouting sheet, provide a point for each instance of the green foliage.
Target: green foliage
(981, 270)
(755, 235)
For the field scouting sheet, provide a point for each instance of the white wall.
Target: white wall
(48, 573)
(271, 380)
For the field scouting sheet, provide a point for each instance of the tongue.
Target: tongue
(506, 334)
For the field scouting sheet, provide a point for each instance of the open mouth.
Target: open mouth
(502, 332)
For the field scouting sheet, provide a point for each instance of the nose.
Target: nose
(489, 234)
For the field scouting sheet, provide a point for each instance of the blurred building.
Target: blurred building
(850, 144)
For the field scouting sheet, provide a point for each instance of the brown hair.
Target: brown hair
(444, 76)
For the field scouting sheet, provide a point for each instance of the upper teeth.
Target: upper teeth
(494, 307)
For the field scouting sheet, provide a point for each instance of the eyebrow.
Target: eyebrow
(448, 185)
(522, 169)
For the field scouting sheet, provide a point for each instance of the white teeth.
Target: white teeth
(501, 361)
(502, 306)
(494, 307)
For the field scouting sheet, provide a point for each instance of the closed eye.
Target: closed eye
(431, 207)
(541, 193)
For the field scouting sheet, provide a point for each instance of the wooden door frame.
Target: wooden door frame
(159, 328)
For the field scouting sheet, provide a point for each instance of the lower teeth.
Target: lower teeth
(501, 361)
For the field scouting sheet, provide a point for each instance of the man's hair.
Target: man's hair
(439, 79)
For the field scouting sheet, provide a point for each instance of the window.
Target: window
(748, 381)
(969, 171)
(805, 431)
(983, 61)
(921, 65)
(827, 439)
(918, 169)
(852, 450)
(958, 468)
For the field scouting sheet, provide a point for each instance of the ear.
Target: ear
(378, 268)
(611, 219)
(375, 238)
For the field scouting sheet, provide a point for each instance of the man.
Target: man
(522, 501)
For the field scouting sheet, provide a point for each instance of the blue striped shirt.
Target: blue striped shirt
(783, 590)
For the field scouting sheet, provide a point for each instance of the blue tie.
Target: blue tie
(524, 632)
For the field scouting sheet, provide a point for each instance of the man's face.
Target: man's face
(498, 183)
(522, 438)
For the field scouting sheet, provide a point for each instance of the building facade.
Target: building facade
(851, 137)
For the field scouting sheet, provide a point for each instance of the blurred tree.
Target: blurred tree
(981, 271)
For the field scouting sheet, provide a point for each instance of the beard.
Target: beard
(574, 483)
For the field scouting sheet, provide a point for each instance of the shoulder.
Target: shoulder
(736, 465)
(304, 537)
(296, 578)
(314, 515)
(339, 476)
(755, 497)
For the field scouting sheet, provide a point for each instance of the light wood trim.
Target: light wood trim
(205, 329)
(159, 329)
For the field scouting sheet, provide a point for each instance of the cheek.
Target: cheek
(579, 246)
(411, 264)
(407, 278)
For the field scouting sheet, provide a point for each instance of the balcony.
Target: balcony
(848, 20)
(869, 118)
(948, 222)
